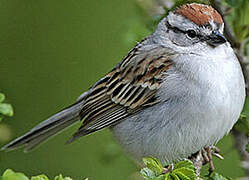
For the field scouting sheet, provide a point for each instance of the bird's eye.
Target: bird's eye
(191, 33)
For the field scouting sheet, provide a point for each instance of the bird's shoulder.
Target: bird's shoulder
(129, 87)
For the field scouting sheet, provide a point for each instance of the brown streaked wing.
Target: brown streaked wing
(129, 87)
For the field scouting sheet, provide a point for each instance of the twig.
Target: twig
(240, 143)
(197, 161)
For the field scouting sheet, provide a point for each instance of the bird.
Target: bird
(179, 90)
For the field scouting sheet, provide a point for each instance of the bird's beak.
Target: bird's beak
(216, 39)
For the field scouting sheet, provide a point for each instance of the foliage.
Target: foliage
(239, 18)
(5, 108)
(183, 170)
(243, 124)
(216, 176)
(11, 175)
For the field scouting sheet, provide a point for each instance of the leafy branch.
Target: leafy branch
(11, 175)
(5, 108)
(183, 170)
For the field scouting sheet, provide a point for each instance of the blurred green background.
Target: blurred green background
(51, 52)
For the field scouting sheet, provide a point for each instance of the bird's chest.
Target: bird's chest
(216, 88)
(204, 96)
(212, 91)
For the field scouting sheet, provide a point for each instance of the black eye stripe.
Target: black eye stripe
(176, 29)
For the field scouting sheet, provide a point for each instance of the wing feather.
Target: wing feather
(128, 88)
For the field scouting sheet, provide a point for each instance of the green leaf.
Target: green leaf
(60, 177)
(182, 176)
(240, 20)
(40, 177)
(216, 176)
(168, 177)
(247, 147)
(11, 175)
(154, 165)
(174, 176)
(161, 177)
(147, 173)
(185, 163)
(233, 3)
(190, 173)
(6, 109)
(245, 110)
(243, 123)
(2, 97)
(67, 178)
(185, 170)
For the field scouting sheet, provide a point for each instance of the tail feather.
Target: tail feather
(33, 143)
(47, 128)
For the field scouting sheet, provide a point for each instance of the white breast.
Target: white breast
(201, 100)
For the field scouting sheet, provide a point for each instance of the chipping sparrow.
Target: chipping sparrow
(177, 91)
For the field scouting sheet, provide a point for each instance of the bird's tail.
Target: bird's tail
(47, 128)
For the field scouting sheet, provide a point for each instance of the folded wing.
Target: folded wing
(128, 88)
